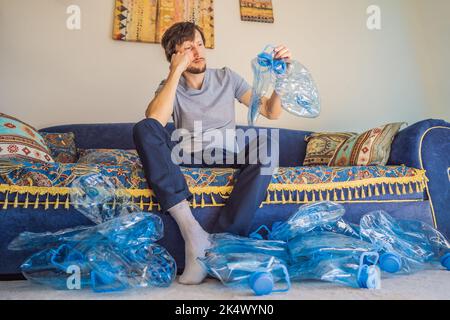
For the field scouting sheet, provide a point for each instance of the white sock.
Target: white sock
(196, 242)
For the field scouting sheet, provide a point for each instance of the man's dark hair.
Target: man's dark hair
(177, 34)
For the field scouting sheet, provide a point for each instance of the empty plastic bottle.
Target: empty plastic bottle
(292, 82)
(304, 220)
(341, 227)
(116, 255)
(405, 246)
(349, 270)
(328, 244)
(225, 243)
(99, 198)
(255, 271)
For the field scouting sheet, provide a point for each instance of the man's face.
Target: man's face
(196, 49)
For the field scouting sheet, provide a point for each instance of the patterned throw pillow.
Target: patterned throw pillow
(21, 141)
(109, 157)
(62, 146)
(371, 148)
(322, 145)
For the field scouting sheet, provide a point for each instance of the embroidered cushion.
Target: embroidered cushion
(322, 146)
(370, 148)
(21, 141)
(109, 157)
(62, 146)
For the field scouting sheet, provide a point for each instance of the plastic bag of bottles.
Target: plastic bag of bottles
(291, 81)
(99, 198)
(406, 246)
(334, 257)
(307, 218)
(349, 270)
(113, 256)
(255, 271)
(225, 243)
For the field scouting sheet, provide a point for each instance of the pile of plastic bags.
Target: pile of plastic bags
(119, 253)
(316, 243)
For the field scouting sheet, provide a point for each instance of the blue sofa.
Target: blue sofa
(414, 185)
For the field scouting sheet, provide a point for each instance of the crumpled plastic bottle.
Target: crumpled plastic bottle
(225, 243)
(405, 246)
(349, 270)
(334, 257)
(113, 256)
(255, 271)
(99, 198)
(292, 82)
(307, 218)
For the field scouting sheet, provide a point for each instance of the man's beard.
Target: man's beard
(197, 70)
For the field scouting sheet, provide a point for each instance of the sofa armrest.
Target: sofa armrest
(426, 145)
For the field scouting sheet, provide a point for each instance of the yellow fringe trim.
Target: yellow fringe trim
(348, 191)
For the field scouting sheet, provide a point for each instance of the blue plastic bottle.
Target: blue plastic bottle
(349, 270)
(406, 246)
(255, 271)
(307, 218)
(292, 82)
(116, 255)
(225, 243)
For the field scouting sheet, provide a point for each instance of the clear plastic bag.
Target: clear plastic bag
(227, 243)
(307, 218)
(255, 271)
(292, 82)
(100, 198)
(406, 246)
(113, 256)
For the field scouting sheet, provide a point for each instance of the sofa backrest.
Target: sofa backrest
(120, 136)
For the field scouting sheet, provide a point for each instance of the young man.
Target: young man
(192, 92)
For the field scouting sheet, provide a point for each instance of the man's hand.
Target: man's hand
(282, 52)
(180, 61)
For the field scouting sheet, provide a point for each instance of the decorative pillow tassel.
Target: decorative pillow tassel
(328, 195)
(46, 203)
(306, 200)
(275, 198)
(290, 200)
(283, 199)
(369, 191)
(404, 189)
(298, 197)
(350, 194)
(67, 204)
(213, 200)
(203, 201)
(150, 205)
(342, 195)
(383, 190)
(335, 198)
(16, 201)
(268, 197)
(26, 202)
(194, 202)
(5, 204)
(356, 193)
(36, 203)
(320, 196)
(390, 189)
(57, 202)
(397, 189)
(141, 203)
(377, 192)
(313, 196)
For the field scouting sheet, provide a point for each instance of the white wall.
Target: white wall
(50, 75)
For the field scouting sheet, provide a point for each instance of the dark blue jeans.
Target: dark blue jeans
(154, 146)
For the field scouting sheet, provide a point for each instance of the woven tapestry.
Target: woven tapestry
(257, 11)
(147, 20)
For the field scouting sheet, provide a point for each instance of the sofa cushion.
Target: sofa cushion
(62, 146)
(109, 157)
(370, 148)
(33, 183)
(322, 146)
(19, 140)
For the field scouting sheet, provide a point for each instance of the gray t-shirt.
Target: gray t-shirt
(213, 105)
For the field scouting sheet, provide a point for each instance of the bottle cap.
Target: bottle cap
(369, 277)
(261, 283)
(445, 261)
(390, 262)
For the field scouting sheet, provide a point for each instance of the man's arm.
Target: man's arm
(161, 107)
(270, 107)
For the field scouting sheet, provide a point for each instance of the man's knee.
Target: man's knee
(148, 129)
